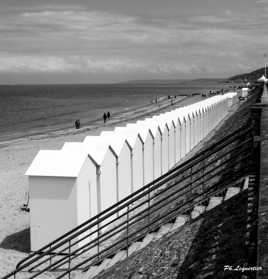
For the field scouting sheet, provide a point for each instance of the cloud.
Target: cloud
(75, 40)
(84, 64)
(262, 2)
(50, 64)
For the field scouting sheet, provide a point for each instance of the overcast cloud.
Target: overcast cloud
(104, 41)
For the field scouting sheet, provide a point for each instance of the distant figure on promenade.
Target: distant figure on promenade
(77, 124)
(108, 115)
(104, 117)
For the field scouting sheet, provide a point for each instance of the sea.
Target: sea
(35, 109)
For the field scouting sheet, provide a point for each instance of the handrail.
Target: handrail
(134, 217)
(116, 206)
(49, 249)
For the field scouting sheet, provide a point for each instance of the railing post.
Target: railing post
(50, 257)
(127, 228)
(191, 179)
(203, 175)
(98, 238)
(69, 259)
(149, 205)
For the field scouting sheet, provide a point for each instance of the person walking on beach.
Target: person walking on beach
(104, 117)
(77, 124)
(108, 115)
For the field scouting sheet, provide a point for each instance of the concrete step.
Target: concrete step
(96, 269)
(120, 256)
(163, 230)
(148, 238)
(198, 210)
(231, 192)
(90, 273)
(134, 247)
(104, 264)
(213, 202)
(180, 221)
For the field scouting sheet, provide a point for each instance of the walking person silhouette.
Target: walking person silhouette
(104, 117)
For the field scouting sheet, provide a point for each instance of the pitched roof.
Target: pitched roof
(131, 135)
(97, 147)
(57, 163)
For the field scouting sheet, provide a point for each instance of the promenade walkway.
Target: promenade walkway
(263, 192)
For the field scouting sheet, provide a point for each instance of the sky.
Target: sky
(103, 41)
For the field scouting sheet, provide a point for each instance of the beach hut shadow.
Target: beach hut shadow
(19, 241)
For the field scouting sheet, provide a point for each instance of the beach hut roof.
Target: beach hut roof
(230, 95)
(152, 124)
(141, 129)
(262, 79)
(196, 108)
(57, 163)
(131, 135)
(97, 147)
(169, 118)
(117, 140)
(160, 119)
(183, 114)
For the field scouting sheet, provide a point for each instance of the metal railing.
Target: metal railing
(210, 172)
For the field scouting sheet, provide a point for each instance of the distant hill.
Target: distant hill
(251, 77)
(181, 82)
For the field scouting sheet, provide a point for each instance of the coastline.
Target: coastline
(15, 158)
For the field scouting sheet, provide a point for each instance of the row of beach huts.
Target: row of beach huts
(70, 185)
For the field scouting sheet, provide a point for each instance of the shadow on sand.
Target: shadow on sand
(19, 241)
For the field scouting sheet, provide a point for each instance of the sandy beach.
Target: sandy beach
(15, 158)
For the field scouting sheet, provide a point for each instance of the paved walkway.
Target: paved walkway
(263, 194)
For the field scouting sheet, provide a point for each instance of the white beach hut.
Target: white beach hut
(105, 158)
(148, 149)
(179, 143)
(191, 116)
(180, 133)
(124, 153)
(196, 113)
(187, 136)
(168, 118)
(203, 120)
(198, 129)
(135, 141)
(183, 132)
(244, 91)
(165, 141)
(103, 178)
(59, 186)
(263, 79)
(208, 116)
(231, 99)
(157, 145)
